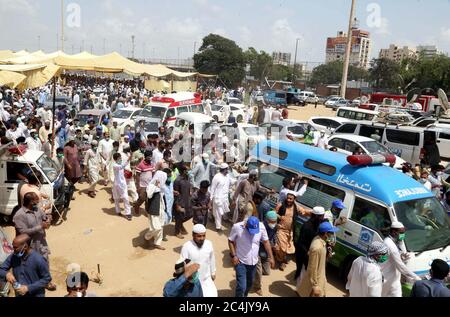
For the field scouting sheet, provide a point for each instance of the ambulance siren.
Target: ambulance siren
(375, 159)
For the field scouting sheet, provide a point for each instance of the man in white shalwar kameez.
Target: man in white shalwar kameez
(365, 278)
(105, 149)
(92, 162)
(394, 268)
(156, 207)
(120, 190)
(220, 189)
(201, 251)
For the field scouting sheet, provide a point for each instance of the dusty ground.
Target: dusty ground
(93, 235)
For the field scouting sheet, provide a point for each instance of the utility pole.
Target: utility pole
(295, 62)
(57, 41)
(92, 49)
(62, 25)
(39, 42)
(82, 45)
(132, 46)
(144, 50)
(195, 47)
(348, 50)
(120, 48)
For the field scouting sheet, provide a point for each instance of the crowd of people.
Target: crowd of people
(146, 172)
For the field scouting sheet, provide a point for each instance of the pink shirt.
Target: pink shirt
(145, 172)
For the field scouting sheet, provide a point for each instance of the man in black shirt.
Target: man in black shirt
(307, 233)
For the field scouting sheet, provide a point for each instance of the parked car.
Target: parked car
(341, 103)
(404, 141)
(304, 124)
(248, 135)
(59, 101)
(238, 111)
(96, 115)
(322, 99)
(312, 99)
(233, 101)
(285, 130)
(304, 95)
(328, 124)
(275, 97)
(331, 103)
(126, 116)
(348, 143)
(293, 99)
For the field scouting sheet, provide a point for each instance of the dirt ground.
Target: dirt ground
(93, 235)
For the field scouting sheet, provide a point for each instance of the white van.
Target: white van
(356, 114)
(12, 166)
(305, 95)
(403, 141)
(200, 121)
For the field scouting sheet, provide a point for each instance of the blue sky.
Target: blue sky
(168, 29)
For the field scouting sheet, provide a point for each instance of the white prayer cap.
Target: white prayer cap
(397, 225)
(253, 172)
(33, 131)
(94, 143)
(199, 229)
(205, 155)
(224, 166)
(86, 137)
(319, 211)
(236, 141)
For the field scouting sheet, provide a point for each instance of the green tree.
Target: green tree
(427, 72)
(384, 74)
(260, 63)
(221, 56)
(331, 73)
(281, 72)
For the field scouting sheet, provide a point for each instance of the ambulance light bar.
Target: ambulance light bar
(375, 159)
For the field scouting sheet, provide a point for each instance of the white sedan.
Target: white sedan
(348, 143)
(238, 111)
(327, 124)
(126, 116)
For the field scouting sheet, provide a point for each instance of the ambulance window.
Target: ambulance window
(320, 167)
(170, 113)
(14, 171)
(444, 136)
(371, 215)
(182, 110)
(318, 194)
(197, 108)
(271, 177)
(282, 155)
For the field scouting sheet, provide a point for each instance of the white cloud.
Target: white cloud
(245, 35)
(220, 31)
(284, 37)
(17, 7)
(188, 27)
(445, 34)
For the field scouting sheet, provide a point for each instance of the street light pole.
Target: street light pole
(195, 47)
(295, 62)
(348, 50)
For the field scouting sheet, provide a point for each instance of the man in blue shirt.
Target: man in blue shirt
(30, 274)
(262, 206)
(186, 282)
(434, 287)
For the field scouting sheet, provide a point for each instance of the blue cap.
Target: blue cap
(253, 225)
(326, 226)
(338, 204)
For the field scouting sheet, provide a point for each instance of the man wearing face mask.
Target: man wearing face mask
(201, 251)
(365, 278)
(333, 215)
(33, 142)
(394, 267)
(30, 274)
(322, 142)
(201, 171)
(244, 243)
(314, 282)
(186, 281)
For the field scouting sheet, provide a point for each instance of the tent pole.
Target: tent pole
(53, 115)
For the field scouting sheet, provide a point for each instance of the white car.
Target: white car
(248, 135)
(238, 111)
(332, 102)
(126, 116)
(348, 143)
(327, 124)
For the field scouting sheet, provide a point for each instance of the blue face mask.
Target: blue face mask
(21, 253)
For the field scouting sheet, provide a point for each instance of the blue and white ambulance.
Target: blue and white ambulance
(374, 196)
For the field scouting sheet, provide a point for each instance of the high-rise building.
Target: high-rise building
(428, 51)
(280, 58)
(360, 52)
(397, 53)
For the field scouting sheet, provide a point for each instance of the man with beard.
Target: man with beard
(45, 131)
(307, 233)
(201, 251)
(105, 149)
